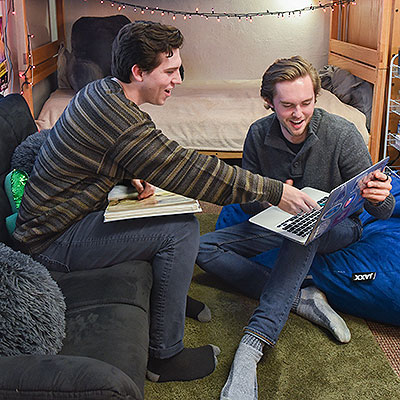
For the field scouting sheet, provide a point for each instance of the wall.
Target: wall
(42, 21)
(229, 49)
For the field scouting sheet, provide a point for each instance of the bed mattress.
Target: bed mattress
(209, 115)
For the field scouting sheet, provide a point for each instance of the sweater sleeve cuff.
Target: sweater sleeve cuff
(275, 190)
(383, 210)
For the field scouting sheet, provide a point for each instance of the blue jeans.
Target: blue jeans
(227, 252)
(169, 243)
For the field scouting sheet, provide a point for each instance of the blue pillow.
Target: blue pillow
(375, 253)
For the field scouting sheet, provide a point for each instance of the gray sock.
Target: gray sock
(205, 314)
(312, 304)
(197, 310)
(242, 380)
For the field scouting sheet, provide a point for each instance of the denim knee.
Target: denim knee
(208, 250)
(193, 227)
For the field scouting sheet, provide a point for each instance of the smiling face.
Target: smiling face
(294, 103)
(157, 85)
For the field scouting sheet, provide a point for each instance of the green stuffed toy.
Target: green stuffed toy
(14, 185)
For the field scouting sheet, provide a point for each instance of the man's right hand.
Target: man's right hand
(295, 201)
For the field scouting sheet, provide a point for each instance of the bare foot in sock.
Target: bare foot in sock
(313, 305)
(188, 365)
(242, 380)
(197, 310)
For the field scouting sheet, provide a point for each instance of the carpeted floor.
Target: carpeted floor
(306, 364)
(388, 338)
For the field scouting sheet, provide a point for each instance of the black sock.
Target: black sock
(197, 310)
(188, 365)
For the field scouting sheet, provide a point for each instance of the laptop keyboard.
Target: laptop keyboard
(302, 224)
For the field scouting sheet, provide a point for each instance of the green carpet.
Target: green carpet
(306, 364)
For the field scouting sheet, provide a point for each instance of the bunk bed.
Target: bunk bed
(361, 49)
(362, 40)
(39, 62)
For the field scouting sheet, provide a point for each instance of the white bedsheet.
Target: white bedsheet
(209, 115)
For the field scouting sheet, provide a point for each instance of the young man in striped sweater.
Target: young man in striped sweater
(102, 138)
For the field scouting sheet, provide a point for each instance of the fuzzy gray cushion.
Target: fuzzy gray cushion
(32, 307)
(24, 155)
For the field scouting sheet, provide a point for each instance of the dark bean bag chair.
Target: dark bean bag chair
(362, 279)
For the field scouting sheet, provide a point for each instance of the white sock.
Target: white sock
(242, 380)
(312, 304)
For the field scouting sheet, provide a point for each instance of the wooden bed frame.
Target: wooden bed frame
(44, 58)
(362, 39)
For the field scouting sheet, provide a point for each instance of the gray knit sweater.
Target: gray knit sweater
(333, 152)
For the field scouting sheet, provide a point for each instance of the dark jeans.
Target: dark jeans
(169, 243)
(227, 252)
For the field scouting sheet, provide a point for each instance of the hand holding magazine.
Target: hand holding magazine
(123, 204)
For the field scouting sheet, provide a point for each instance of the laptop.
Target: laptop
(340, 203)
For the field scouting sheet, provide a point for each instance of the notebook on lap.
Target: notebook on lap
(340, 203)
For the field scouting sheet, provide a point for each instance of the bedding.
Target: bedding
(209, 115)
(348, 88)
(90, 56)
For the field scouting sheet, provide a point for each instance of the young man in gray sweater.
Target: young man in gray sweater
(302, 146)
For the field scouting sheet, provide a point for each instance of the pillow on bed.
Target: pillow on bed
(63, 58)
(348, 88)
(374, 294)
(91, 43)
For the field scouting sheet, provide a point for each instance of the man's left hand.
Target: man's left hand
(144, 189)
(378, 188)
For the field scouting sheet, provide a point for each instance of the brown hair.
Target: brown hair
(142, 43)
(288, 69)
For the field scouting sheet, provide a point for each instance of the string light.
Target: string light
(30, 67)
(248, 16)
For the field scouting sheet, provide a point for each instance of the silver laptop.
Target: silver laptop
(340, 203)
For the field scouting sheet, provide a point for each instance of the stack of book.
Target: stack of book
(123, 204)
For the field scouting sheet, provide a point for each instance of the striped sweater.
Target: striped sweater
(102, 138)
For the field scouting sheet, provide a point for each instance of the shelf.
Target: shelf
(396, 74)
(394, 106)
(394, 140)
